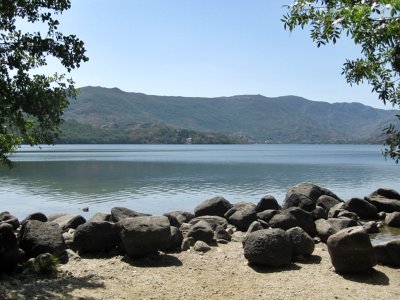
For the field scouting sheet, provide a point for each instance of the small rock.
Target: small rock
(201, 246)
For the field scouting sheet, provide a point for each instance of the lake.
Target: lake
(160, 178)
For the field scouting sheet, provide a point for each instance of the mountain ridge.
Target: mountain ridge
(284, 119)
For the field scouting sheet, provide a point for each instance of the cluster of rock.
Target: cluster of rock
(271, 235)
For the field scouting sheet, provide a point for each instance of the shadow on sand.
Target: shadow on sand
(372, 277)
(153, 261)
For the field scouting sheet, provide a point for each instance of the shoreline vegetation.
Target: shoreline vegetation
(314, 246)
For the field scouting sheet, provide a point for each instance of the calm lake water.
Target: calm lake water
(160, 178)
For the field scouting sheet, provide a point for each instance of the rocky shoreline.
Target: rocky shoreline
(265, 235)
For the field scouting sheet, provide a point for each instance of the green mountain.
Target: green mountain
(287, 119)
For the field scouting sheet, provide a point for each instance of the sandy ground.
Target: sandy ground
(222, 273)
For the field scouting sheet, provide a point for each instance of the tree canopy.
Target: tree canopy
(31, 106)
(374, 25)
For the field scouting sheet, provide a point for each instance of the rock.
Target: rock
(283, 220)
(176, 239)
(371, 227)
(9, 252)
(347, 214)
(381, 215)
(362, 208)
(327, 202)
(311, 191)
(145, 235)
(268, 202)
(268, 247)
(41, 237)
(303, 220)
(386, 193)
(339, 224)
(6, 217)
(267, 215)
(85, 209)
(384, 204)
(221, 234)
(303, 244)
(72, 255)
(351, 251)
(177, 218)
(69, 221)
(324, 229)
(319, 213)
(254, 226)
(298, 200)
(120, 213)
(184, 228)
(38, 216)
(241, 215)
(213, 221)
(95, 237)
(216, 206)
(388, 253)
(335, 210)
(68, 238)
(55, 216)
(393, 219)
(185, 245)
(100, 217)
(201, 231)
(201, 246)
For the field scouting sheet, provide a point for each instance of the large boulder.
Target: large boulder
(335, 210)
(6, 217)
(69, 221)
(303, 244)
(341, 223)
(39, 216)
(41, 237)
(8, 248)
(362, 208)
(283, 220)
(268, 247)
(145, 235)
(388, 253)
(268, 202)
(327, 202)
(324, 229)
(311, 191)
(216, 206)
(266, 215)
(213, 221)
(319, 213)
(120, 213)
(351, 250)
(176, 239)
(201, 231)
(299, 200)
(386, 193)
(242, 215)
(304, 220)
(177, 218)
(393, 219)
(94, 237)
(384, 204)
(100, 217)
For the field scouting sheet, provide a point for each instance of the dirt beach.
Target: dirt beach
(222, 273)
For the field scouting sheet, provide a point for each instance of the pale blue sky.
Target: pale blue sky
(206, 48)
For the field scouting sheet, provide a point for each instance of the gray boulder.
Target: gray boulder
(303, 244)
(386, 193)
(384, 204)
(9, 253)
(327, 202)
(351, 250)
(324, 229)
(303, 220)
(319, 213)
(388, 253)
(241, 215)
(268, 202)
(69, 221)
(201, 231)
(220, 233)
(121, 213)
(100, 217)
(283, 220)
(266, 215)
(348, 214)
(393, 219)
(201, 246)
(362, 208)
(335, 210)
(341, 223)
(254, 226)
(176, 239)
(95, 237)
(41, 237)
(39, 216)
(213, 221)
(268, 247)
(371, 227)
(298, 200)
(6, 217)
(145, 235)
(216, 206)
(177, 218)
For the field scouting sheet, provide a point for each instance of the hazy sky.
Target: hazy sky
(206, 48)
